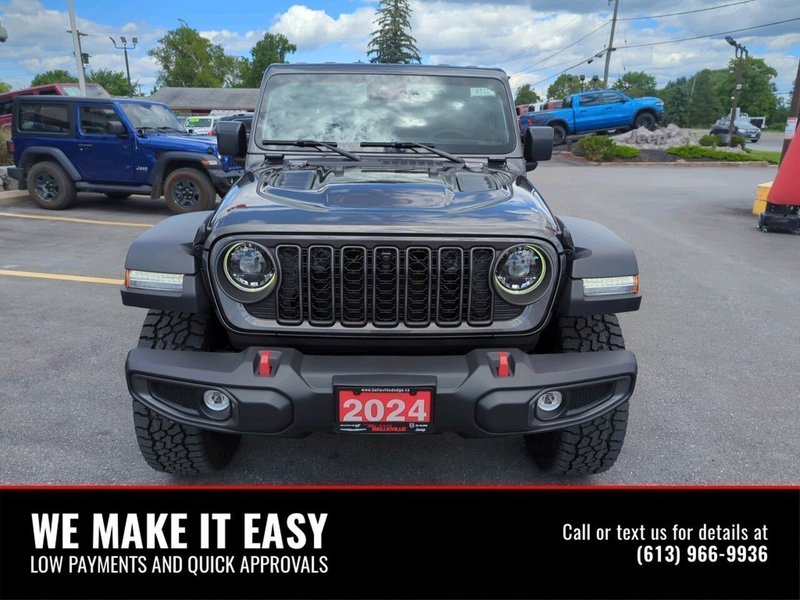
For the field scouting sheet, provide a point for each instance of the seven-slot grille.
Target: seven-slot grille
(384, 286)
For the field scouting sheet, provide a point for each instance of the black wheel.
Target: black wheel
(645, 119)
(187, 190)
(592, 447)
(117, 195)
(49, 186)
(559, 135)
(166, 445)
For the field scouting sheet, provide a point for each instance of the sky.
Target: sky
(532, 40)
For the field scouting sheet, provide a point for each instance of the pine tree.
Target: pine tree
(391, 41)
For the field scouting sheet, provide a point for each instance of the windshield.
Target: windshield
(467, 115)
(150, 115)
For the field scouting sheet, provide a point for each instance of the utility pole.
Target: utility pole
(610, 44)
(76, 42)
(741, 54)
(794, 111)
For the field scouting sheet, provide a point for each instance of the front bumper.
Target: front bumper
(470, 397)
(223, 180)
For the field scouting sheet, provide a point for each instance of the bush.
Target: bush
(6, 158)
(626, 152)
(738, 140)
(596, 148)
(709, 140)
(690, 152)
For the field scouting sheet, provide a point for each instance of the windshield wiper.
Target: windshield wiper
(413, 145)
(311, 144)
(173, 129)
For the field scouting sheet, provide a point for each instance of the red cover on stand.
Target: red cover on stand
(786, 187)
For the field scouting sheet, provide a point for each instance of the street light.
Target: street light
(740, 53)
(125, 47)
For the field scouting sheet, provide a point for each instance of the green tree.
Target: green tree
(187, 59)
(636, 84)
(567, 84)
(676, 101)
(391, 41)
(4, 87)
(705, 102)
(526, 95)
(54, 76)
(757, 96)
(271, 49)
(114, 82)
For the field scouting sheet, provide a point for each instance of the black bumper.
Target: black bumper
(470, 398)
(223, 180)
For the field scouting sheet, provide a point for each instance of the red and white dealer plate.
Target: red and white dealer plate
(384, 409)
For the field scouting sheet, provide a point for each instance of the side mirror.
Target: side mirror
(538, 145)
(232, 138)
(116, 128)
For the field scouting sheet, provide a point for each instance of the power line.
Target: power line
(664, 42)
(523, 70)
(699, 37)
(687, 12)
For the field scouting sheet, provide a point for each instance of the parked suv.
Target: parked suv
(383, 268)
(63, 145)
(741, 127)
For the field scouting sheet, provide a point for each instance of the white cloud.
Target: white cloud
(310, 29)
(518, 36)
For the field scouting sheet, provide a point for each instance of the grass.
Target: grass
(772, 158)
(690, 152)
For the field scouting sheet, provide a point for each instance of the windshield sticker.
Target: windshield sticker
(481, 91)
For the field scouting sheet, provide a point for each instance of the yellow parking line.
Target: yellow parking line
(61, 277)
(74, 220)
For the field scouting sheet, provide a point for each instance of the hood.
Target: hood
(182, 142)
(357, 200)
(647, 100)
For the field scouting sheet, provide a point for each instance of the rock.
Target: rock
(658, 139)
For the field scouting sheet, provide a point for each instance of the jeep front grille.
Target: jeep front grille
(384, 286)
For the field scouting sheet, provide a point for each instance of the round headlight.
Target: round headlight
(520, 269)
(249, 267)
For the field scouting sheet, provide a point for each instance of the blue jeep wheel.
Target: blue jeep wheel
(188, 190)
(49, 186)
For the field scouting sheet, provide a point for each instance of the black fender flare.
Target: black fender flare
(168, 247)
(55, 153)
(597, 252)
(164, 160)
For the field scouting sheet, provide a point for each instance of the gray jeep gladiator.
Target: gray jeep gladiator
(383, 266)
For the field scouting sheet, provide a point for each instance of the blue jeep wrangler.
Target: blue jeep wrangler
(64, 145)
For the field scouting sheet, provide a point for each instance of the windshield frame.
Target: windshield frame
(507, 133)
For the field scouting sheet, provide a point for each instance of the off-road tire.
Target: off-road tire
(49, 186)
(187, 190)
(646, 120)
(117, 195)
(559, 135)
(166, 445)
(592, 447)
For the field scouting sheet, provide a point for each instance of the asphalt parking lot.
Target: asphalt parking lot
(716, 339)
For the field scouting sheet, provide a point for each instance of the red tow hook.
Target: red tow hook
(503, 368)
(264, 368)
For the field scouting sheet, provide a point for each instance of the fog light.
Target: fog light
(549, 401)
(216, 400)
